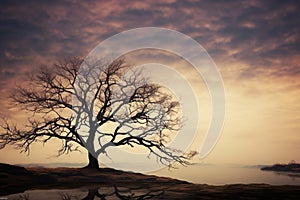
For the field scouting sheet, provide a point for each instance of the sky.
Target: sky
(255, 45)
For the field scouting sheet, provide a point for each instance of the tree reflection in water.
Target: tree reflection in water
(117, 193)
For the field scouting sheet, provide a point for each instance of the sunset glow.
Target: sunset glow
(255, 45)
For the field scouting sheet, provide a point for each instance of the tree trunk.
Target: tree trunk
(93, 162)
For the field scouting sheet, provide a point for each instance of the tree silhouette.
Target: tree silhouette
(74, 104)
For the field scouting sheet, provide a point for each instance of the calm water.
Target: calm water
(226, 174)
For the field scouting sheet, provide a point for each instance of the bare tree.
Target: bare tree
(74, 104)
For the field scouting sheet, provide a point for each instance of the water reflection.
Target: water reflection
(91, 193)
(123, 194)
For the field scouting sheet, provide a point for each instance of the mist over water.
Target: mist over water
(230, 174)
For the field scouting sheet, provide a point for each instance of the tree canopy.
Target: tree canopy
(73, 100)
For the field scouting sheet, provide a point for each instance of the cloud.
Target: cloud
(264, 36)
(259, 38)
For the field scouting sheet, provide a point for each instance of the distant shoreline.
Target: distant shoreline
(291, 167)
